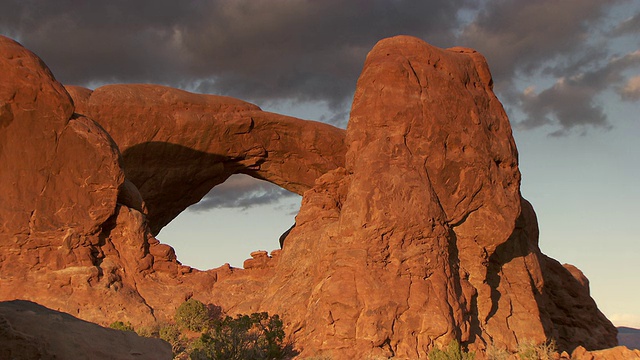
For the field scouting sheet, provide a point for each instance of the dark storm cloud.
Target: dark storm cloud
(520, 36)
(630, 26)
(100, 42)
(631, 90)
(242, 191)
(270, 51)
(571, 101)
(310, 51)
(522, 40)
(255, 50)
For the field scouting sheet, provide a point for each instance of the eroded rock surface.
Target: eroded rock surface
(60, 178)
(423, 236)
(70, 235)
(419, 236)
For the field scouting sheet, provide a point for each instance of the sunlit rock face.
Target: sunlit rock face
(412, 230)
(423, 236)
(61, 184)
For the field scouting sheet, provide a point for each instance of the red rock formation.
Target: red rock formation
(29, 116)
(73, 234)
(60, 179)
(616, 353)
(420, 237)
(177, 145)
(423, 237)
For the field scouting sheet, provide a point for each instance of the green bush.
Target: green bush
(527, 350)
(531, 351)
(119, 325)
(146, 332)
(453, 351)
(171, 334)
(193, 315)
(497, 353)
(257, 336)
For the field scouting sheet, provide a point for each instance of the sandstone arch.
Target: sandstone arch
(176, 145)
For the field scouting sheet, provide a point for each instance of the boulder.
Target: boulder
(31, 117)
(616, 353)
(32, 331)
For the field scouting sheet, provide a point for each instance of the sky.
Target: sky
(566, 71)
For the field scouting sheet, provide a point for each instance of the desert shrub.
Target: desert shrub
(147, 332)
(497, 353)
(453, 351)
(204, 348)
(530, 351)
(119, 325)
(257, 336)
(171, 334)
(193, 315)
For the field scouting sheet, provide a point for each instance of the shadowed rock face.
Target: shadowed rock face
(219, 136)
(31, 331)
(412, 230)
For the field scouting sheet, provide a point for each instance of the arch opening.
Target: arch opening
(235, 218)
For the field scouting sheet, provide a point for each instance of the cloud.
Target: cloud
(567, 103)
(242, 191)
(631, 90)
(630, 26)
(115, 41)
(630, 320)
(518, 36)
(312, 51)
(563, 41)
(572, 102)
(255, 50)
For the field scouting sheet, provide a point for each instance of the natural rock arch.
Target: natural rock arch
(239, 217)
(176, 145)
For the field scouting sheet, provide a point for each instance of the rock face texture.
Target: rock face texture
(31, 331)
(60, 176)
(412, 230)
(176, 145)
(423, 236)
